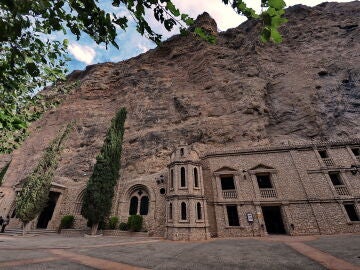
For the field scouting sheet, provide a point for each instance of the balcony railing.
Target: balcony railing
(229, 194)
(267, 193)
(342, 190)
(328, 162)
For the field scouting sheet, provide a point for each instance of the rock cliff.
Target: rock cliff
(237, 92)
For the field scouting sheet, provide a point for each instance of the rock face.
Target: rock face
(238, 92)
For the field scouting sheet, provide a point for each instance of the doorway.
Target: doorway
(48, 211)
(273, 219)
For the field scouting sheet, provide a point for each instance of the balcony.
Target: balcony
(229, 194)
(342, 190)
(328, 162)
(267, 193)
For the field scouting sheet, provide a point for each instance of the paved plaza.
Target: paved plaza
(272, 252)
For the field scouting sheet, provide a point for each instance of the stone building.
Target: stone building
(295, 189)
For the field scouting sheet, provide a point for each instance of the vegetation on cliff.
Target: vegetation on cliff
(35, 191)
(99, 192)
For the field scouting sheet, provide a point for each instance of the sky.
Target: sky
(85, 51)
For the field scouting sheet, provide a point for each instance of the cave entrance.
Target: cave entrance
(48, 211)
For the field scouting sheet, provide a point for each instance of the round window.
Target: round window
(162, 191)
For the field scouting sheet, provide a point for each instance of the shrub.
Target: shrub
(123, 226)
(113, 221)
(67, 222)
(135, 223)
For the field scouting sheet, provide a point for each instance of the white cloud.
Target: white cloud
(82, 53)
(224, 15)
(142, 48)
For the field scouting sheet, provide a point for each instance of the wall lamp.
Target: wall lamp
(354, 169)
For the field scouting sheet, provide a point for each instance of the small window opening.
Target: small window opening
(144, 205)
(323, 154)
(351, 212)
(196, 178)
(162, 191)
(264, 181)
(198, 210)
(335, 179)
(181, 151)
(171, 178)
(182, 177)
(233, 216)
(227, 182)
(133, 206)
(183, 211)
(170, 211)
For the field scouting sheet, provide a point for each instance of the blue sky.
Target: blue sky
(86, 52)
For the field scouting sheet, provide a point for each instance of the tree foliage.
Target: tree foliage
(99, 192)
(14, 129)
(31, 59)
(35, 191)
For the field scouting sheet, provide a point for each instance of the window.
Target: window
(351, 212)
(323, 153)
(232, 214)
(264, 181)
(356, 152)
(182, 177)
(144, 205)
(181, 151)
(170, 211)
(335, 178)
(196, 178)
(133, 206)
(198, 211)
(183, 211)
(227, 182)
(171, 178)
(139, 203)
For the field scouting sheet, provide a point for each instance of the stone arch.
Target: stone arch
(79, 202)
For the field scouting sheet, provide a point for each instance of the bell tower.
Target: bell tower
(186, 216)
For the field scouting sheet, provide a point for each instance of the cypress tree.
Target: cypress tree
(99, 192)
(34, 194)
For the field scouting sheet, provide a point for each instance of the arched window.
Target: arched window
(171, 178)
(170, 211)
(133, 205)
(183, 211)
(182, 177)
(196, 178)
(144, 205)
(198, 211)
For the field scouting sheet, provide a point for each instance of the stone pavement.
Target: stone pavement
(341, 252)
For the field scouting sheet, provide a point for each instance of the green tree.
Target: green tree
(97, 200)
(35, 191)
(30, 59)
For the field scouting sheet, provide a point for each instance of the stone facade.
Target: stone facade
(296, 190)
